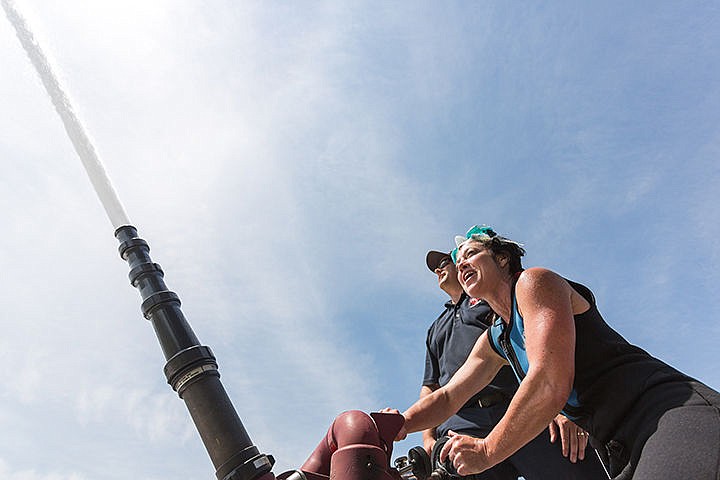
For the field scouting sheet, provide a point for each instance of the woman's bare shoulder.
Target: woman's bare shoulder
(538, 277)
(540, 285)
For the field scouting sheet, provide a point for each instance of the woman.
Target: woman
(647, 420)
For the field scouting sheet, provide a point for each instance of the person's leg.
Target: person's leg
(686, 445)
(542, 460)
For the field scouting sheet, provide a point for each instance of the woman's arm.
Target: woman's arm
(478, 370)
(545, 303)
(429, 435)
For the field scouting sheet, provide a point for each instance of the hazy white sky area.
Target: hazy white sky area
(290, 164)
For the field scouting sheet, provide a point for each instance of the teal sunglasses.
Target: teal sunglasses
(475, 231)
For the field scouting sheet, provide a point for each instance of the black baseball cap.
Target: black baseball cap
(433, 259)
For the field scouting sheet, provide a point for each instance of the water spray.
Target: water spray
(79, 138)
(357, 446)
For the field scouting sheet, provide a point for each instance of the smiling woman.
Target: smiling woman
(647, 419)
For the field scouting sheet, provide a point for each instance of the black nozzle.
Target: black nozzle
(191, 369)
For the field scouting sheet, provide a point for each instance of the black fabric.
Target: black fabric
(673, 432)
(697, 430)
(610, 373)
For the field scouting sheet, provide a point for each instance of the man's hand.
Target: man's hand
(403, 432)
(467, 454)
(574, 439)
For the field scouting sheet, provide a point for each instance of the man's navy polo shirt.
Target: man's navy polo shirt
(449, 342)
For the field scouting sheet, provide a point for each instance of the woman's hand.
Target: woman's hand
(574, 439)
(403, 432)
(467, 454)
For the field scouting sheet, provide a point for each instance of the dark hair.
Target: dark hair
(501, 245)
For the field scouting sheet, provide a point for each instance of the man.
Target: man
(449, 341)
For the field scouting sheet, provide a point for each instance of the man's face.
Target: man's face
(446, 273)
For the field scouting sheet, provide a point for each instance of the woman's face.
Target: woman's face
(477, 268)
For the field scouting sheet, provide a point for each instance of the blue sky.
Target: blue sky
(291, 164)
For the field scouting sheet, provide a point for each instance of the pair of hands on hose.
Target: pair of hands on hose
(469, 455)
(466, 453)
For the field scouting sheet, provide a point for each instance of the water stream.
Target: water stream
(73, 127)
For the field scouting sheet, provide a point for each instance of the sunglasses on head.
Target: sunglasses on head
(474, 231)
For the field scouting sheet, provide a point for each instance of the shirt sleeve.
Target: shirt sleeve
(432, 365)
